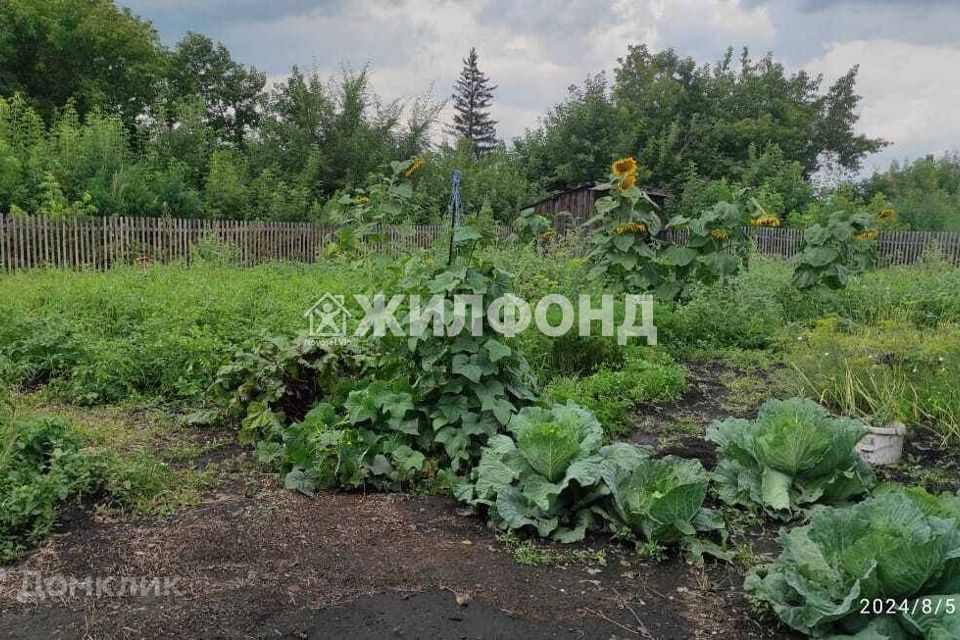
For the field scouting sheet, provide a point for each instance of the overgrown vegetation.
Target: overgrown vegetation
(47, 468)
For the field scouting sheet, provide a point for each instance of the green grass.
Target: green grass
(48, 464)
(100, 338)
(646, 376)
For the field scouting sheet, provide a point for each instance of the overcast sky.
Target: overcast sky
(908, 51)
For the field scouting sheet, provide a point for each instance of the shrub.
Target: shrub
(720, 317)
(280, 380)
(324, 451)
(792, 456)
(897, 549)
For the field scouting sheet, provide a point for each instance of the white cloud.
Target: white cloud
(909, 94)
(533, 51)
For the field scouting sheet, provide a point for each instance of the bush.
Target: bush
(720, 317)
(44, 466)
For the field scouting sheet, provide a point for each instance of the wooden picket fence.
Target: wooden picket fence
(31, 242)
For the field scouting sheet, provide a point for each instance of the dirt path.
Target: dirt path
(255, 561)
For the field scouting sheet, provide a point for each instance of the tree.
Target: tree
(471, 101)
(233, 92)
(86, 50)
(576, 140)
(673, 114)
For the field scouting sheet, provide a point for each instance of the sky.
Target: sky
(908, 50)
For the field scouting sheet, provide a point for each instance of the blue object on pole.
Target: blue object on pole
(455, 211)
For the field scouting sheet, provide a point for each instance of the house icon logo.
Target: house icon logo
(328, 317)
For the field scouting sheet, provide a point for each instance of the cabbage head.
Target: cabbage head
(661, 501)
(795, 454)
(547, 474)
(899, 547)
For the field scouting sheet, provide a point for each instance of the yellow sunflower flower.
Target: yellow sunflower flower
(418, 163)
(765, 221)
(719, 234)
(631, 227)
(628, 182)
(867, 234)
(886, 214)
(624, 167)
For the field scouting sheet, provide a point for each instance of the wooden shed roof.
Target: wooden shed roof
(649, 190)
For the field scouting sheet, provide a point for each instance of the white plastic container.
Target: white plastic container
(882, 445)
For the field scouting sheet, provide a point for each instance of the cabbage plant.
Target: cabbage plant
(661, 500)
(547, 474)
(886, 568)
(792, 456)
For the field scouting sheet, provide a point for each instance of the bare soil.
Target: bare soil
(256, 561)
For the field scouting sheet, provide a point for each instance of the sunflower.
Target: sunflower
(417, 164)
(631, 227)
(628, 182)
(624, 167)
(719, 234)
(867, 234)
(766, 221)
(886, 214)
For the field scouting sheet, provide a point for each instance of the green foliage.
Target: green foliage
(898, 546)
(125, 335)
(530, 226)
(661, 501)
(326, 451)
(90, 51)
(777, 185)
(715, 117)
(893, 372)
(554, 477)
(548, 476)
(471, 383)
(232, 92)
(830, 253)
(492, 179)
(625, 244)
(44, 467)
(361, 215)
(792, 456)
(279, 380)
(744, 314)
(716, 248)
(925, 193)
(612, 393)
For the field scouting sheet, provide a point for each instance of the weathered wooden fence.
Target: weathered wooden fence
(29, 242)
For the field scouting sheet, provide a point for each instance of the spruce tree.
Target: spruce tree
(471, 101)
